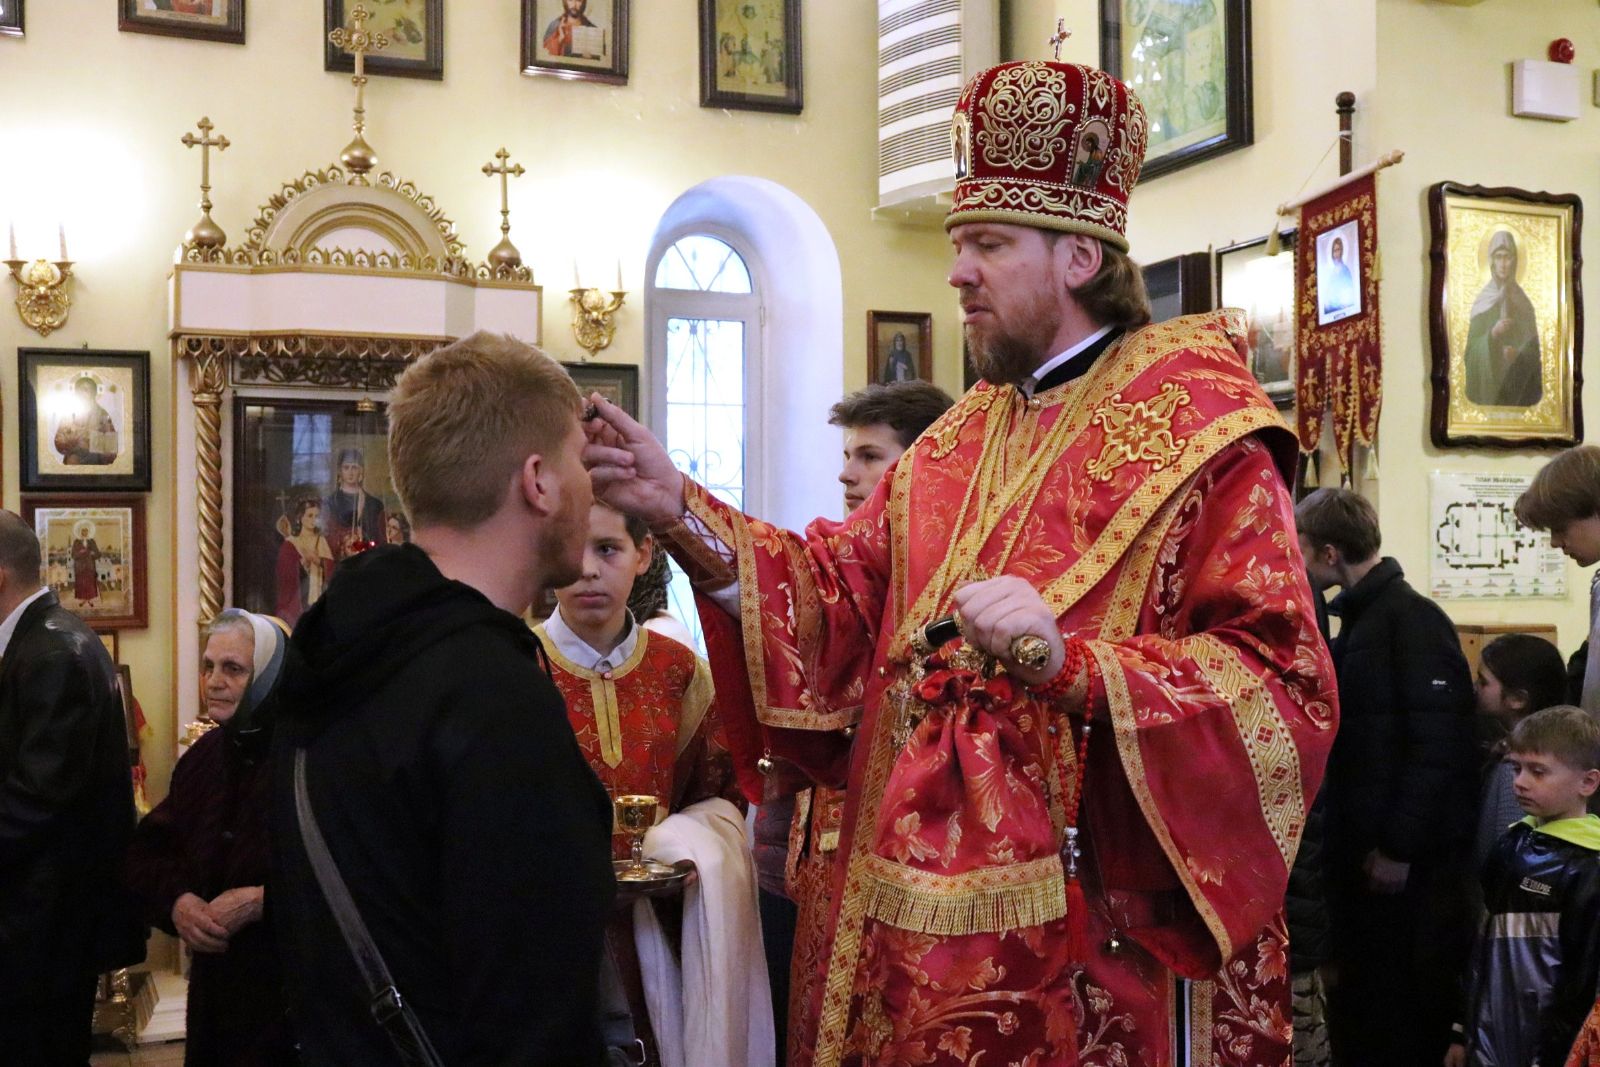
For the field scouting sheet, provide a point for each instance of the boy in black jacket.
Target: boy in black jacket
(1398, 796)
(1537, 958)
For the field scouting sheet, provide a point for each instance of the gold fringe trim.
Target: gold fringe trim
(986, 901)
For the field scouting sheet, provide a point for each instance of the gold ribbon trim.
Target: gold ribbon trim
(985, 901)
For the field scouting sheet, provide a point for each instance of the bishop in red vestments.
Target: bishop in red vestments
(1098, 788)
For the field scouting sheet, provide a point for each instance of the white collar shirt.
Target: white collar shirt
(1028, 384)
(579, 651)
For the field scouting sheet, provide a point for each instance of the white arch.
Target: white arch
(796, 271)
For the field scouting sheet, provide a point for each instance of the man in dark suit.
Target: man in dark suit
(66, 816)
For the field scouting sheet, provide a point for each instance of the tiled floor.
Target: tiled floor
(166, 1055)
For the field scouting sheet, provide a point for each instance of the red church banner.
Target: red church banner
(1339, 348)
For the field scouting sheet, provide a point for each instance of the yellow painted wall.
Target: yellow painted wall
(1433, 79)
(1444, 84)
(100, 152)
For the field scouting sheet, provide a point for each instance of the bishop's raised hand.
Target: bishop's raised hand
(628, 467)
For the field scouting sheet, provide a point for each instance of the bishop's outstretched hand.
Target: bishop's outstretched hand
(628, 467)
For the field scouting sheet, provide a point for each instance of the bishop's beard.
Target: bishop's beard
(1006, 356)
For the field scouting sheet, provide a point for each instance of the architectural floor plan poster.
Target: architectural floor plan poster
(1478, 547)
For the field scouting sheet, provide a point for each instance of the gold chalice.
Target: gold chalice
(636, 813)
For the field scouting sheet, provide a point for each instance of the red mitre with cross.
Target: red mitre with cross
(1052, 145)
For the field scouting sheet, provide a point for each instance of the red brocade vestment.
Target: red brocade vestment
(1146, 501)
(650, 726)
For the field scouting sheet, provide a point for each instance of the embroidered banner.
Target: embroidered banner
(1336, 318)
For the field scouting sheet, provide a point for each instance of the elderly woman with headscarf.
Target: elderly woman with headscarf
(1502, 356)
(199, 861)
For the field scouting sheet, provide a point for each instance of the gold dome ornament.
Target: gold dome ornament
(504, 258)
(358, 156)
(205, 233)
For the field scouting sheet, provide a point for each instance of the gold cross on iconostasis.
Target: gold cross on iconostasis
(205, 233)
(505, 253)
(1059, 38)
(358, 156)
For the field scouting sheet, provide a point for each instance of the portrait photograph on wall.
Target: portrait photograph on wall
(1338, 273)
(617, 382)
(750, 55)
(84, 417)
(899, 346)
(10, 18)
(1262, 286)
(205, 20)
(311, 488)
(1189, 64)
(586, 40)
(92, 556)
(413, 28)
(1506, 316)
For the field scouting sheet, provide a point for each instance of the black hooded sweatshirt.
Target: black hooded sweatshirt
(454, 798)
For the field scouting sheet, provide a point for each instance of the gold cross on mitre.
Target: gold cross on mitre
(505, 253)
(205, 233)
(358, 156)
(1059, 38)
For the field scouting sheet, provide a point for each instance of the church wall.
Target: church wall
(1432, 79)
(100, 152)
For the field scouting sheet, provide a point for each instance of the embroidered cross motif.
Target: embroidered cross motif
(1139, 432)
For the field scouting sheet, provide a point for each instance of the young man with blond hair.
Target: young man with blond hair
(474, 838)
(1565, 500)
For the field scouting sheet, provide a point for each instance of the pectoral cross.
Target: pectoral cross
(1059, 38)
(506, 170)
(205, 233)
(358, 41)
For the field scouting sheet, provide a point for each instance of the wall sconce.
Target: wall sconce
(43, 299)
(594, 313)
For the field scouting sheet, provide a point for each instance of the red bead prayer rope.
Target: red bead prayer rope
(1072, 667)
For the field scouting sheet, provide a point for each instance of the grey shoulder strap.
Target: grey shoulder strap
(390, 1012)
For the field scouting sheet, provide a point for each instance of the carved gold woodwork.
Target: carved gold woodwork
(207, 376)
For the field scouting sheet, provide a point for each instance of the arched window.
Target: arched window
(706, 333)
(746, 351)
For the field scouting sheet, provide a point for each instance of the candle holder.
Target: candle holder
(594, 316)
(43, 296)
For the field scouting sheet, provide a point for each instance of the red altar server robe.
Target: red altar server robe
(1146, 501)
(650, 726)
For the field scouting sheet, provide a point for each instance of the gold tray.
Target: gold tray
(661, 881)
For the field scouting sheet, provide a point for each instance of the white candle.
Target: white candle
(12, 226)
(619, 275)
(61, 232)
(575, 283)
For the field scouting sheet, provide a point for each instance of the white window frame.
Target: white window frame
(745, 308)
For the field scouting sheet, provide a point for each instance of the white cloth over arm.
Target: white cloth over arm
(716, 1009)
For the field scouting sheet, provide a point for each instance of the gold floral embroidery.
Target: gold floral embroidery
(1025, 115)
(1139, 432)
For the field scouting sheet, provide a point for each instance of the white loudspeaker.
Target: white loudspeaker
(1544, 90)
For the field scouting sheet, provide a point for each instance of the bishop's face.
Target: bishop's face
(1010, 297)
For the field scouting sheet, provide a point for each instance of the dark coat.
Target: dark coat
(66, 809)
(474, 838)
(1306, 901)
(208, 835)
(1537, 958)
(1403, 772)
